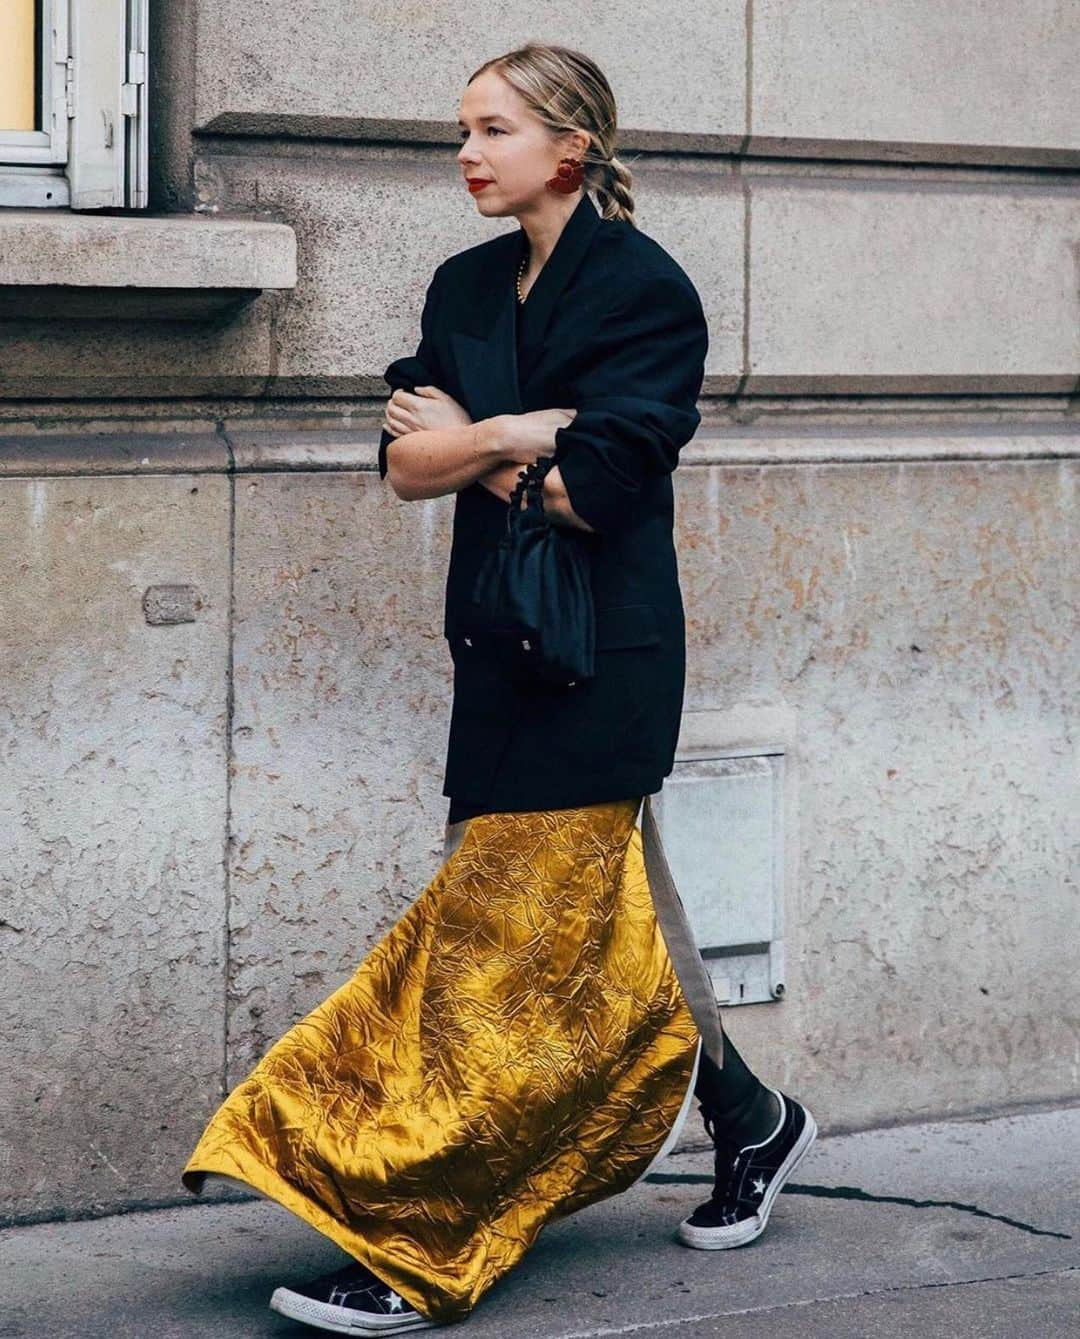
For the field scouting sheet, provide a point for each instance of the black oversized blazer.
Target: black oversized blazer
(613, 328)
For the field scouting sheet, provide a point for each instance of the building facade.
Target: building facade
(225, 699)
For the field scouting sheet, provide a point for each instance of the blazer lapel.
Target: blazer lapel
(487, 364)
(555, 273)
(489, 367)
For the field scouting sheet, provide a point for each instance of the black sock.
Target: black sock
(742, 1105)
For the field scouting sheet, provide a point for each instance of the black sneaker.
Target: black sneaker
(748, 1179)
(350, 1300)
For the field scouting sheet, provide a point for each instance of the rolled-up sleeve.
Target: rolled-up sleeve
(635, 388)
(416, 369)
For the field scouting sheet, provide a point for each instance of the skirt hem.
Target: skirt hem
(265, 1182)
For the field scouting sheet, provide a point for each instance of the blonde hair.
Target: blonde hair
(568, 91)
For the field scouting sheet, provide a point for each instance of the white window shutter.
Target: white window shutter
(107, 167)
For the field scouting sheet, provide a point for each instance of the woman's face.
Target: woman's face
(506, 144)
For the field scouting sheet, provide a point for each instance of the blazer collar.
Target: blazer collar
(489, 364)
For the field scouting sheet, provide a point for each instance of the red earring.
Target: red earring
(568, 176)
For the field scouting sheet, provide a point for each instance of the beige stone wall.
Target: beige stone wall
(209, 822)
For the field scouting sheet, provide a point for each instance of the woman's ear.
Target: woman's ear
(576, 142)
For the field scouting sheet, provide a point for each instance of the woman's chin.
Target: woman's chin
(490, 205)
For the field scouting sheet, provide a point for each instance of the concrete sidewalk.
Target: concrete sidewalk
(960, 1228)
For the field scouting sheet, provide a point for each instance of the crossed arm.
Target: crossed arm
(635, 385)
(431, 462)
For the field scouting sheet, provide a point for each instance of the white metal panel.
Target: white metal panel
(721, 825)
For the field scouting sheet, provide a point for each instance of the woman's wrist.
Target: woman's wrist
(489, 438)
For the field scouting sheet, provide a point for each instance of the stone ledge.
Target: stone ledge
(169, 266)
(235, 446)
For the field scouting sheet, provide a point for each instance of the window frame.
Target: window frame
(92, 152)
(49, 146)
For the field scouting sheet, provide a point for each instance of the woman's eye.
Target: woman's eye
(464, 134)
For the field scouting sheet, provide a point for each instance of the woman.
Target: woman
(523, 1043)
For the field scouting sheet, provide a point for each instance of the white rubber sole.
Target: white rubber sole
(340, 1319)
(738, 1234)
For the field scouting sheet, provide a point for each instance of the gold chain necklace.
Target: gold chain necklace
(521, 275)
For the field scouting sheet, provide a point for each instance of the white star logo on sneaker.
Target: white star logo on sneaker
(759, 1185)
(393, 1301)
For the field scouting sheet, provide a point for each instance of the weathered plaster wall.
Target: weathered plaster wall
(921, 619)
(112, 740)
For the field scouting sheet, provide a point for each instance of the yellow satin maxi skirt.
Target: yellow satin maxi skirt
(516, 1047)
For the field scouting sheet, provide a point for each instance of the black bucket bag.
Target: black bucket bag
(532, 601)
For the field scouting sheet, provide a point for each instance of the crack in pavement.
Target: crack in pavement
(638, 1327)
(855, 1193)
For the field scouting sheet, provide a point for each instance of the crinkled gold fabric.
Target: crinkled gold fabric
(516, 1047)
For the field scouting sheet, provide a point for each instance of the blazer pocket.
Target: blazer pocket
(621, 625)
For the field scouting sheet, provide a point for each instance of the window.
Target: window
(73, 84)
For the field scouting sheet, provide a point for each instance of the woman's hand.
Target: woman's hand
(430, 407)
(522, 439)
(525, 438)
